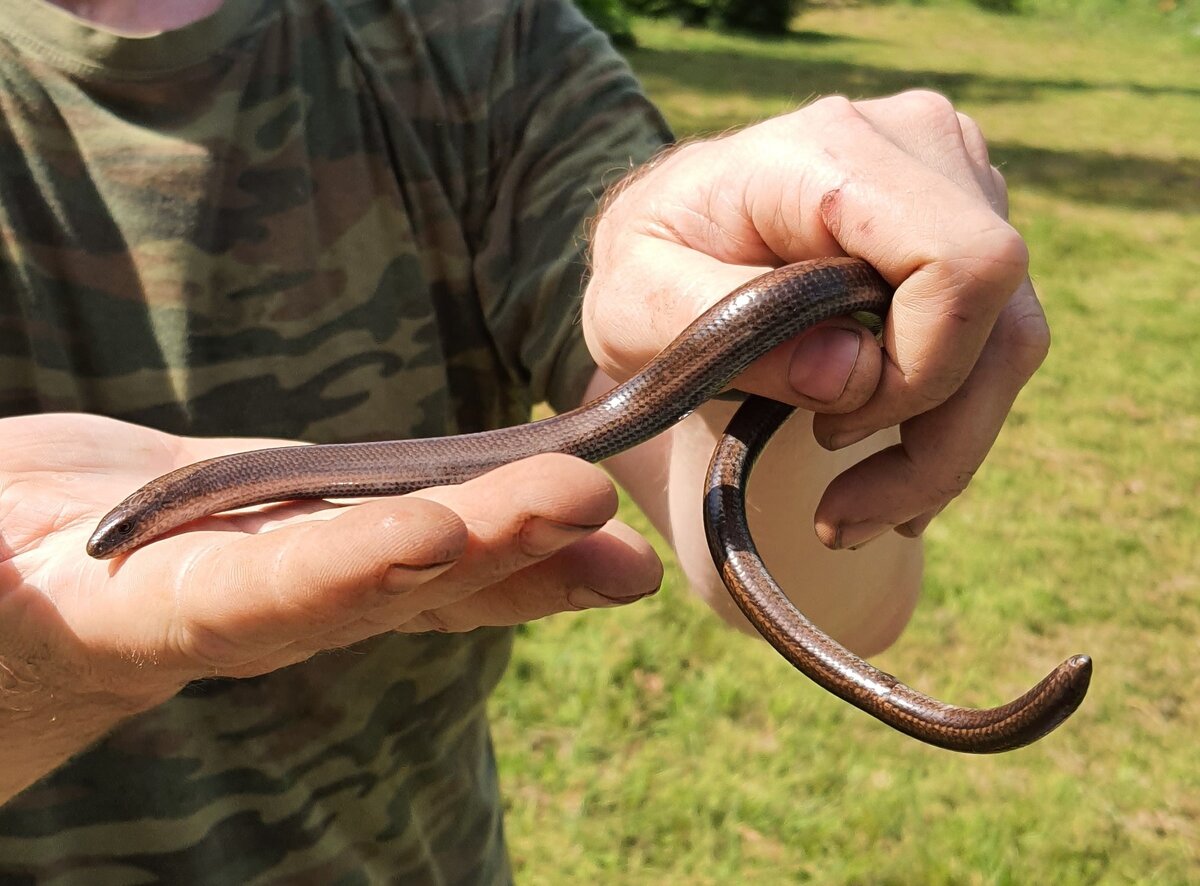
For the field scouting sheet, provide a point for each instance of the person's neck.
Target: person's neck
(140, 17)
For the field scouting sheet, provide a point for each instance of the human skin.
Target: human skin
(902, 182)
(140, 17)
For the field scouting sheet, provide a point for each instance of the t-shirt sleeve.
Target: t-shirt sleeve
(567, 118)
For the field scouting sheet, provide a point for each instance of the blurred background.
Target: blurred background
(651, 744)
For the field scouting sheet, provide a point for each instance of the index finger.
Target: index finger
(957, 265)
(954, 260)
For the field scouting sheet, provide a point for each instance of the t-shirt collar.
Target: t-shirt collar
(69, 42)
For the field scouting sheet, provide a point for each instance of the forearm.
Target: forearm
(862, 598)
(41, 728)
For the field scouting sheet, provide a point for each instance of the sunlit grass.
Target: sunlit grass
(651, 745)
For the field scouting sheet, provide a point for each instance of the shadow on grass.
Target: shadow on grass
(811, 38)
(768, 76)
(1086, 176)
(1098, 177)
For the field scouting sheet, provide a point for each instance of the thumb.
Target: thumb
(832, 368)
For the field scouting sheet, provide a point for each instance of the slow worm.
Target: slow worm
(697, 366)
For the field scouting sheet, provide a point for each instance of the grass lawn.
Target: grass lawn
(651, 745)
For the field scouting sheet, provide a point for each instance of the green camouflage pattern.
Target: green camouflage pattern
(324, 220)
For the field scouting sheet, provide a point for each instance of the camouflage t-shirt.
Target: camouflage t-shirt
(320, 219)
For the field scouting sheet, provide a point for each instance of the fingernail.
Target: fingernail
(540, 536)
(852, 536)
(401, 577)
(590, 598)
(823, 362)
(842, 439)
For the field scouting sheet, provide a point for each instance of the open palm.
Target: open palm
(247, 593)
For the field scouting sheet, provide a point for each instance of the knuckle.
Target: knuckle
(207, 648)
(930, 381)
(974, 141)
(834, 106)
(940, 479)
(951, 486)
(970, 129)
(1000, 257)
(929, 103)
(1025, 340)
(930, 389)
(427, 622)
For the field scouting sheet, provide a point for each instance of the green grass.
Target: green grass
(651, 745)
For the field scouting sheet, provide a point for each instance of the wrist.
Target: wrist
(44, 726)
(51, 710)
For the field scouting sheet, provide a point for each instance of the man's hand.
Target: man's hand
(904, 183)
(244, 594)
